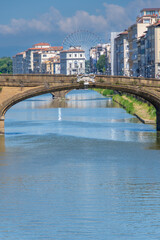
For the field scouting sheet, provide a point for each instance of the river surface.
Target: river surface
(78, 170)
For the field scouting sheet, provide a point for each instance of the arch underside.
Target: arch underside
(151, 96)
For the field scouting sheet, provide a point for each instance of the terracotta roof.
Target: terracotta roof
(73, 50)
(124, 33)
(21, 53)
(59, 48)
(47, 49)
(41, 44)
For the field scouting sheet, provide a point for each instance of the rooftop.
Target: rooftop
(154, 25)
(124, 33)
(59, 48)
(73, 50)
(21, 53)
(150, 9)
(41, 44)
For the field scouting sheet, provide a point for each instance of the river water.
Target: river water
(78, 170)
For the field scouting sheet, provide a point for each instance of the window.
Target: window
(76, 64)
(80, 55)
(70, 55)
(75, 55)
(81, 65)
(70, 65)
(44, 55)
(146, 21)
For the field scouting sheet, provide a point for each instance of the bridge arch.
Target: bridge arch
(143, 92)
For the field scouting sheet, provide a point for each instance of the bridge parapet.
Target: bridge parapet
(133, 81)
(34, 80)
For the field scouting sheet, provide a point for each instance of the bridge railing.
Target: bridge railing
(31, 80)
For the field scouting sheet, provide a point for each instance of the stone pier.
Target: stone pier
(60, 94)
(158, 120)
(2, 125)
(2, 144)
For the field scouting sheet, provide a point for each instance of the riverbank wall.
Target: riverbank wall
(145, 112)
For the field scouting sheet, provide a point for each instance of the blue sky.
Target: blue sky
(25, 22)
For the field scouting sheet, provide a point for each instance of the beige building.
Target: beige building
(52, 66)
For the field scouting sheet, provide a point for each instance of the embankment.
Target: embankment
(145, 112)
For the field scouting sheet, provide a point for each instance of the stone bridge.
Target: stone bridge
(16, 88)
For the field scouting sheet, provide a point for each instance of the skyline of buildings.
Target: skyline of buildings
(132, 52)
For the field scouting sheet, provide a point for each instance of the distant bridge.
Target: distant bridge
(16, 88)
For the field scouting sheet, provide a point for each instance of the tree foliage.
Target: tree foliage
(6, 65)
(101, 64)
(87, 66)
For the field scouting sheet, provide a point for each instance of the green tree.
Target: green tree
(6, 65)
(87, 66)
(101, 64)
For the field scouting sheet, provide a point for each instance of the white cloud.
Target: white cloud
(116, 18)
(83, 20)
(46, 23)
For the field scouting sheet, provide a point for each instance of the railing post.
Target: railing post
(2, 124)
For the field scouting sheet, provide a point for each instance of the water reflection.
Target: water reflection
(78, 173)
(78, 99)
(156, 144)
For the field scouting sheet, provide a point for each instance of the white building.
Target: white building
(113, 52)
(72, 61)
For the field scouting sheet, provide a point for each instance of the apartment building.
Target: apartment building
(122, 54)
(52, 66)
(141, 55)
(152, 53)
(33, 58)
(148, 17)
(19, 63)
(72, 61)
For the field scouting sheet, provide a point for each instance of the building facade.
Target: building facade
(135, 32)
(72, 61)
(122, 54)
(52, 66)
(32, 59)
(19, 63)
(114, 35)
(152, 53)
